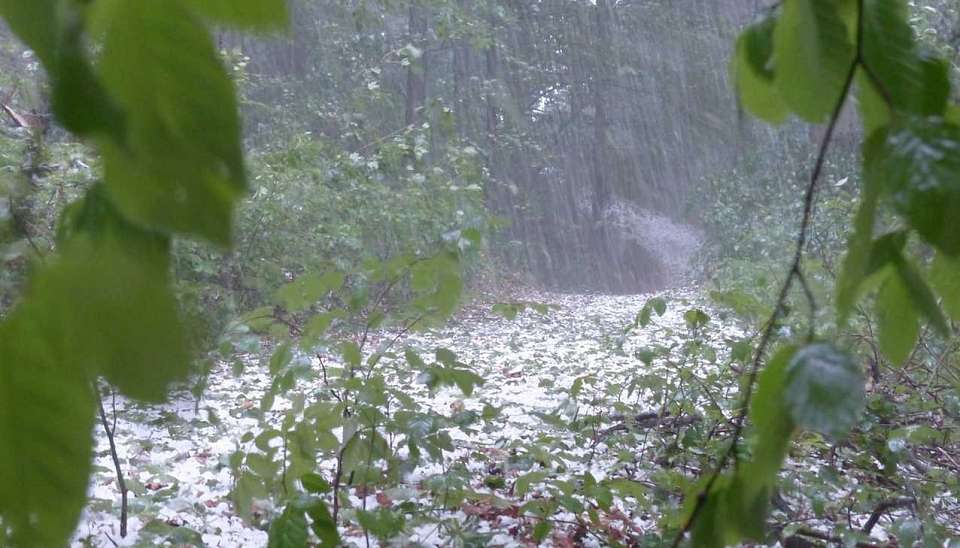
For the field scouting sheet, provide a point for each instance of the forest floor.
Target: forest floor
(541, 371)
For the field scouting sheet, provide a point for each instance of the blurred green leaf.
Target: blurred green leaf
(921, 296)
(382, 523)
(181, 166)
(856, 263)
(33, 21)
(696, 318)
(812, 55)
(771, 418)
(753, 74)
(912, 81)
(323, 525)
(289, 530)
(282, 356)
(825, 390)
(945, 278)
(541, 530)
(307, 289)
(45, 441)
(898, 323)
(917, 166)
(315, 483)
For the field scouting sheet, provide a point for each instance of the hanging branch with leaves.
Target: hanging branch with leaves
(102, 306)
(806, 57)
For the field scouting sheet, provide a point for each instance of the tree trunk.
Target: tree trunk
(416, 73)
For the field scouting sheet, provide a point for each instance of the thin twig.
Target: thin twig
(116, 462)
(884, 507)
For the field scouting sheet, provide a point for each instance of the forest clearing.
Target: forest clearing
(463, 273)
(567, 394)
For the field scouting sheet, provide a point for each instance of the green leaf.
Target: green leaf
(917, 165)
(748, 504)
(181, 167)
(248, 487)
(466, 380)
(260, 319)
(32, 22)
(922, 297)
(507, 310)
(289, 530)
(101, 321)
(711, 528)
(812, 56)
(315, 330)
(414, 359)
(383, 523)
(446, 357)
(80, 102)
(163, 533)
(523, 484)
(280, 358)
(46, 419)
(307, 289)
(771, 418)
(323, 525)
(315, 483)
(438, 284)
(825, 390)
(753, 73)
(856, 263)
(945, 279)
(251, 14)
(541, 530)
(696, 318)
(898, 323)
(351, 354)
(362, 448)
(657, 305)
(913, 82)
(749, 493)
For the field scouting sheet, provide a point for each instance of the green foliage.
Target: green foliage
(824, 390)
(812, 54)
(289, 530)
(818, 52)
(45, 428)
(816, 388)
(916, 167)
(103, 304)
(752, 73)
(315, 208)
(772, 420)
(179, 167)
(384, 432)
(898, 322)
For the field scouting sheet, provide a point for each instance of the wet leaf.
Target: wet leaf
(825, 390)
(45, 441)
(181, 167)
(753, 74)
(812, 56)
(917, 167)
(897, 320)
(289, 530)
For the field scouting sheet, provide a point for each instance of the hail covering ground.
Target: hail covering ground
(176, 460)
